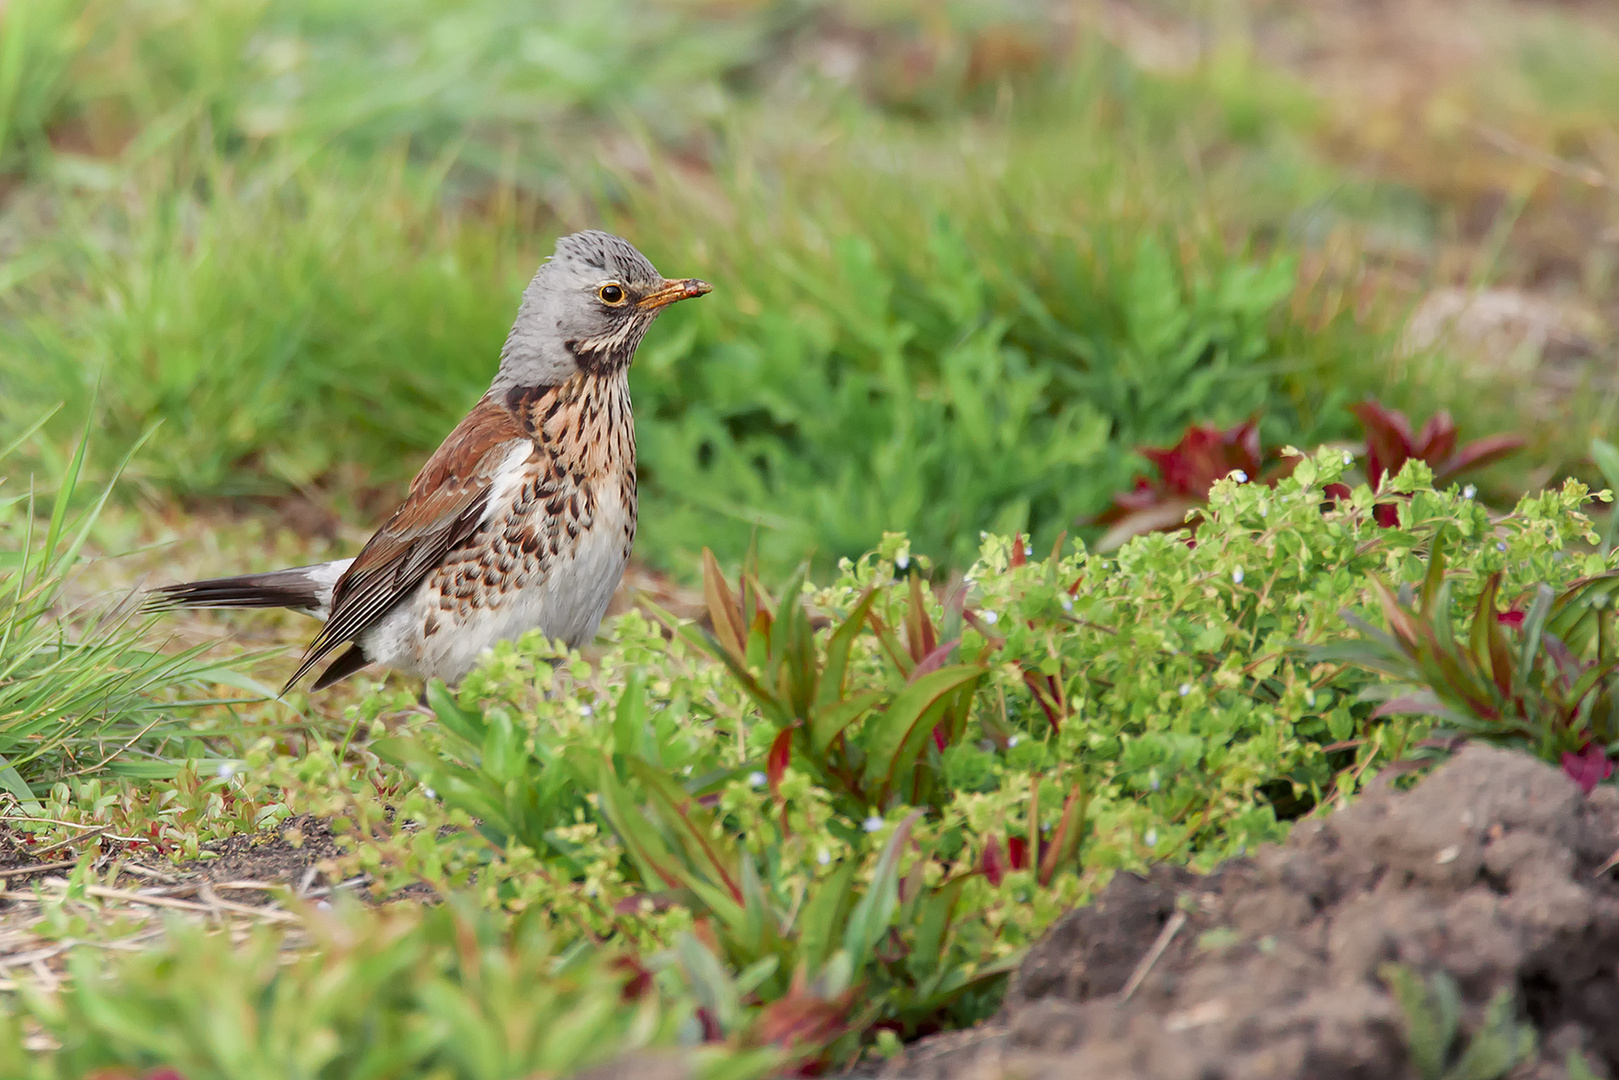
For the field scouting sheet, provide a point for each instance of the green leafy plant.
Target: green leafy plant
(871, 746)
(1433, 1014)
(1541, 676)
(445, 990)
(731, 799)
(1204, 454)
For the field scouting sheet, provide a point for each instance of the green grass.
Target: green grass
(999, 301)
(82, 691)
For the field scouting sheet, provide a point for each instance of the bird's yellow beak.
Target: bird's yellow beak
(671, 291)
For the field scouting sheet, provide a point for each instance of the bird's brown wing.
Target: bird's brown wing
(447, 500)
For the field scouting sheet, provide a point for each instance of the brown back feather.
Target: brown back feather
(447, 501)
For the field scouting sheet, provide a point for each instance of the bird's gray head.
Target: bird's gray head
(587, 309)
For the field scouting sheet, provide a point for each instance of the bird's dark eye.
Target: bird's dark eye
(611, 294)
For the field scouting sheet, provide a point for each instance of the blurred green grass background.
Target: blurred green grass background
(967, 256)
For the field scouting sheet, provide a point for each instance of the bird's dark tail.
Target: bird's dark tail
(303, 588)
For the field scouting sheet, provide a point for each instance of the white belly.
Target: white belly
(566, 600)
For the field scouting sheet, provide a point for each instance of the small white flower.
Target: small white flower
(1028, 549)
(1264, 511)
(1239, 476)
(226, 770)
(1349, 458)
(1153, 783)
(685, 770)
(1186, 688)
(1151, 837)
(872, 824)
(1469, 491)
(1012, 741)
(823, 856)
(982, 535)
(1500, 545)
(586, 710)
(991, 618)
(758, 779)
(1068, 603)
(1309, 698)
(1236, 575)
(901, 562)
(429, 792)
(323, 905)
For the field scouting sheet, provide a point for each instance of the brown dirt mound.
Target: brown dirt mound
(1492, 870)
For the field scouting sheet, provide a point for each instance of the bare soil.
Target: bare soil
(299, 854)
(1494, 869)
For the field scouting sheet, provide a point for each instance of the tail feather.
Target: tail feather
(303, 588)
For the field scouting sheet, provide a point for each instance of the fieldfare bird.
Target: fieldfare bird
(522, 519)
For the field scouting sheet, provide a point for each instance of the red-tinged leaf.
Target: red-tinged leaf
(838, 647)
(1073, 590)
(1401, 623)
(693, 828)
(1056, 547)
(1414, 705)
(993, 861)
(1168, 513)
(1032, 854)
(973, 620)
(1594, 675)
(828, 721)
(1337, 492)
(640, 839)
(919, 633)
(1388, 440)
(776, 764)
(1018, 556)
(896, 736)
(1046, 695)
(1386, 515)
(1068, 834)
(1434, 579)
(1206, 454)
(1436, 440)
(895, 650)
(802, 1020)
(635, 905)
(637, 979)
(1589, 767)
(759, 628)
(723, 610)
(1186, 472)
(934, 660)
(1017, 852)
(1512, 618)
(1476, 455)
(1497, 652)
(712, 1032)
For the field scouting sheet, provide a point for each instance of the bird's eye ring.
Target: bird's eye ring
(611, 294)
